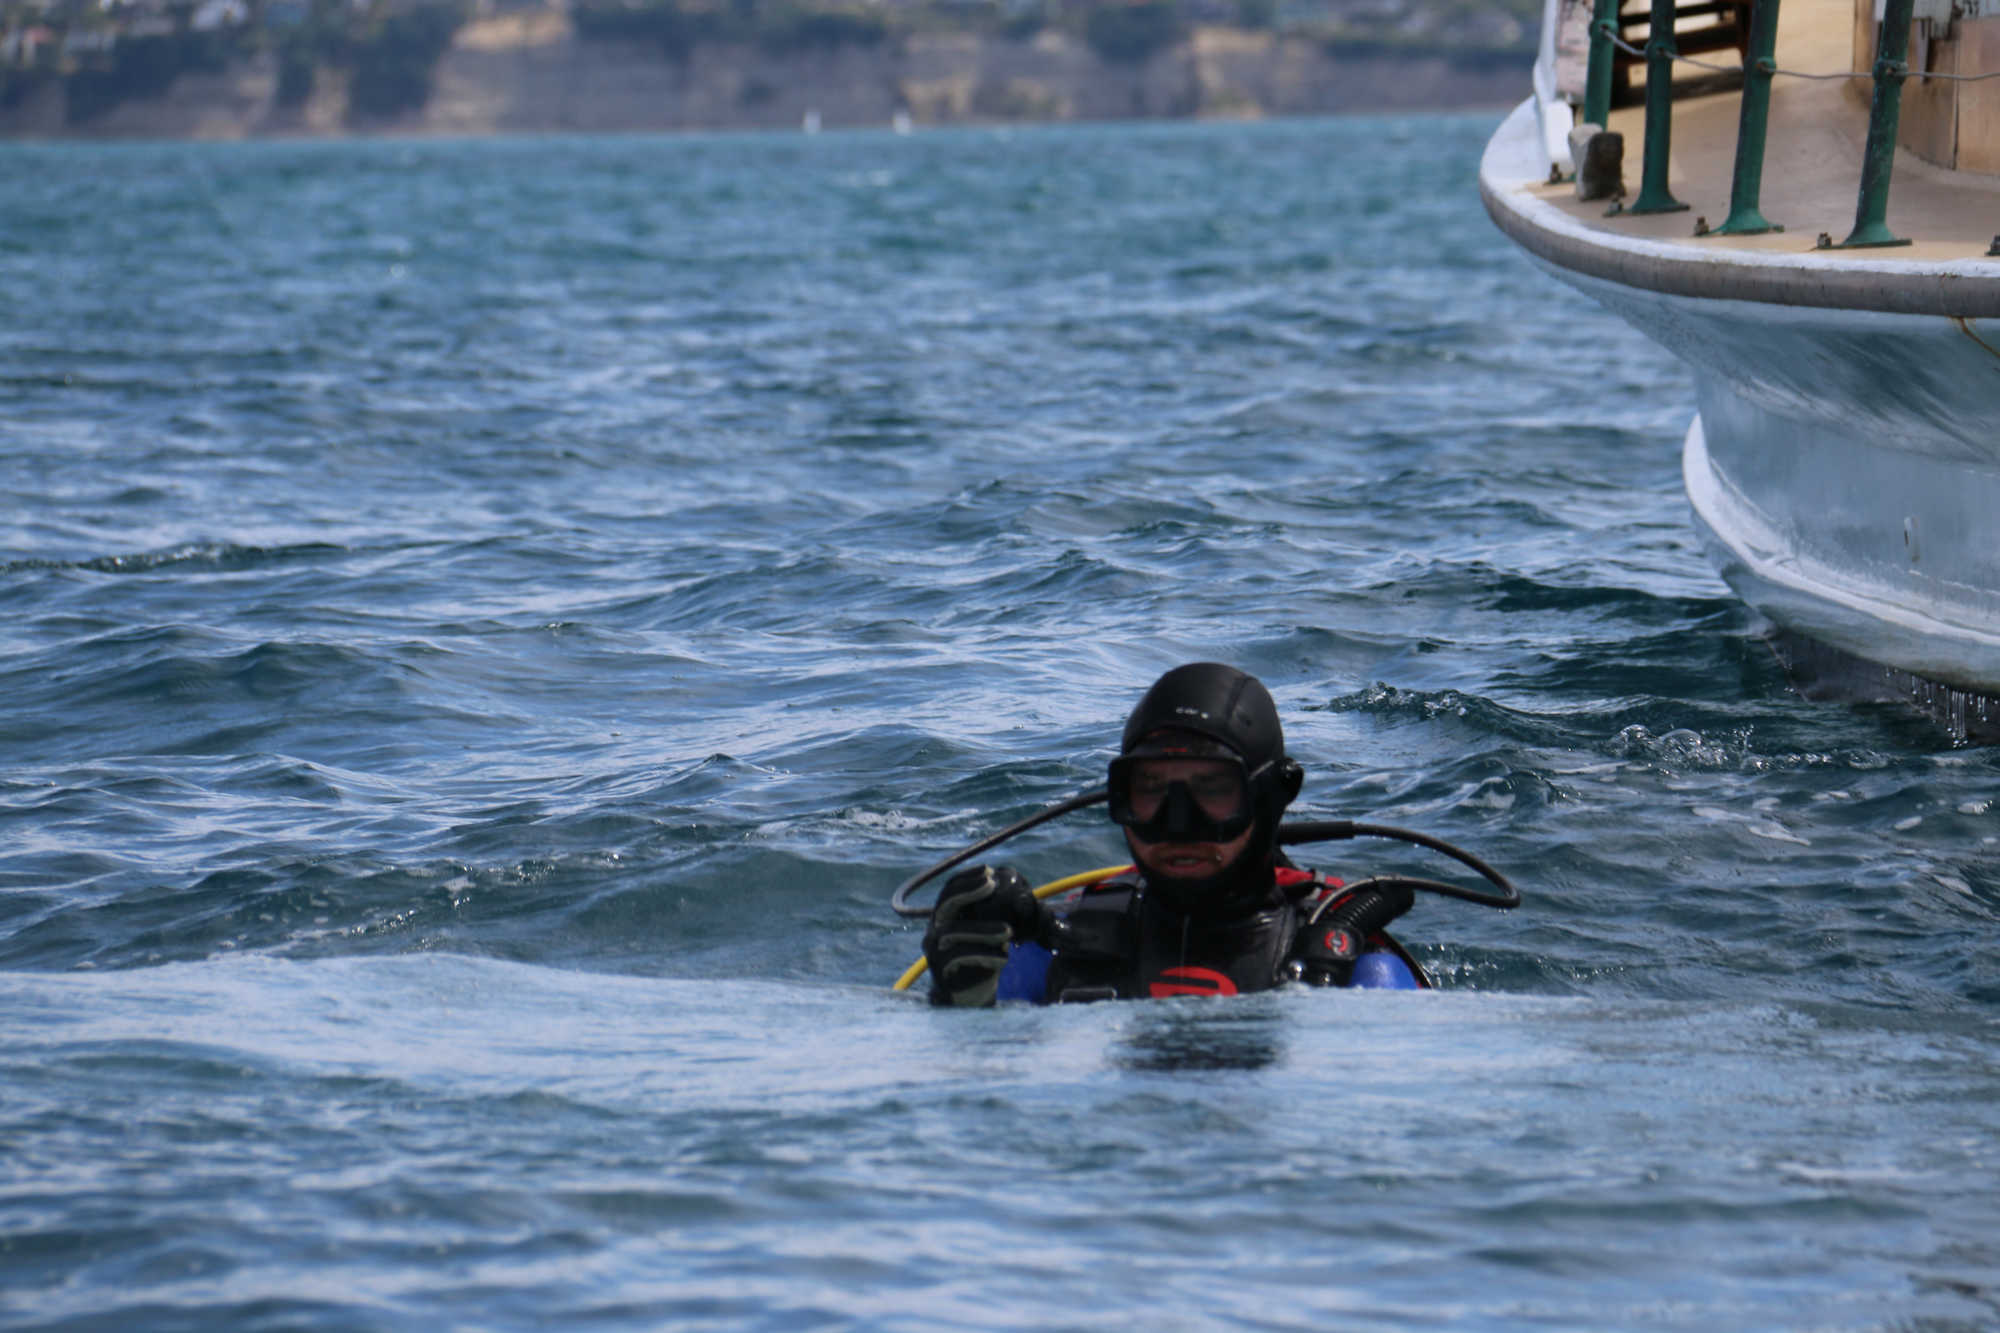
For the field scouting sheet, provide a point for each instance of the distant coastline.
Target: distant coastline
(531, 71)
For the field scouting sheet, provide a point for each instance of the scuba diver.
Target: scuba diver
(1211, 906)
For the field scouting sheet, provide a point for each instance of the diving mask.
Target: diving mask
(1182, 799)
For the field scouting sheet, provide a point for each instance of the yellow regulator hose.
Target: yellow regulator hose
(1054, 886)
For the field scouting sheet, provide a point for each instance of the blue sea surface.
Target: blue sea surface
(484, 627)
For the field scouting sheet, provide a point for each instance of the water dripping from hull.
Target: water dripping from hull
(1824, 672)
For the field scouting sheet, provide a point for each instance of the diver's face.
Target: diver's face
(1186, 860)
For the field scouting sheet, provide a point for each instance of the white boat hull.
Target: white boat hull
(1844, 465)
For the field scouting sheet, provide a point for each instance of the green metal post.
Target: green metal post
(1871, 208)
(1748, 182)
(1597, 80)
(1660, 52)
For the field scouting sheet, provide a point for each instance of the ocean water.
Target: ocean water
(484, 627)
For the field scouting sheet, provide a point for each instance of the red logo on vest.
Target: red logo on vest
(1194, 981)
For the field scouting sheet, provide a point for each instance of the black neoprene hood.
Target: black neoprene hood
(1212, 700)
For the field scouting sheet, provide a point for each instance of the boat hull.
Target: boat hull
(1844, 464)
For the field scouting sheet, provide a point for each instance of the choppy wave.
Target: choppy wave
(210, 557)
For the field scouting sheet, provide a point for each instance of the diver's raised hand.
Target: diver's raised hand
(980, 912)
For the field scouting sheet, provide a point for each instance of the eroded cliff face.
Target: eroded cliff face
(528, 72)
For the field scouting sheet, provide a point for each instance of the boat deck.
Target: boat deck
(1812, 165)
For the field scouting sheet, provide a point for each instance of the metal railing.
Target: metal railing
(1746, 183)
(1892, 66)
(1759, 69)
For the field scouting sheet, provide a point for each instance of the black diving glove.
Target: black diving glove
(1325, 950)
(980, 911)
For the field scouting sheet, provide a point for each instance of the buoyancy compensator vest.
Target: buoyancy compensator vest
(1122, 943)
